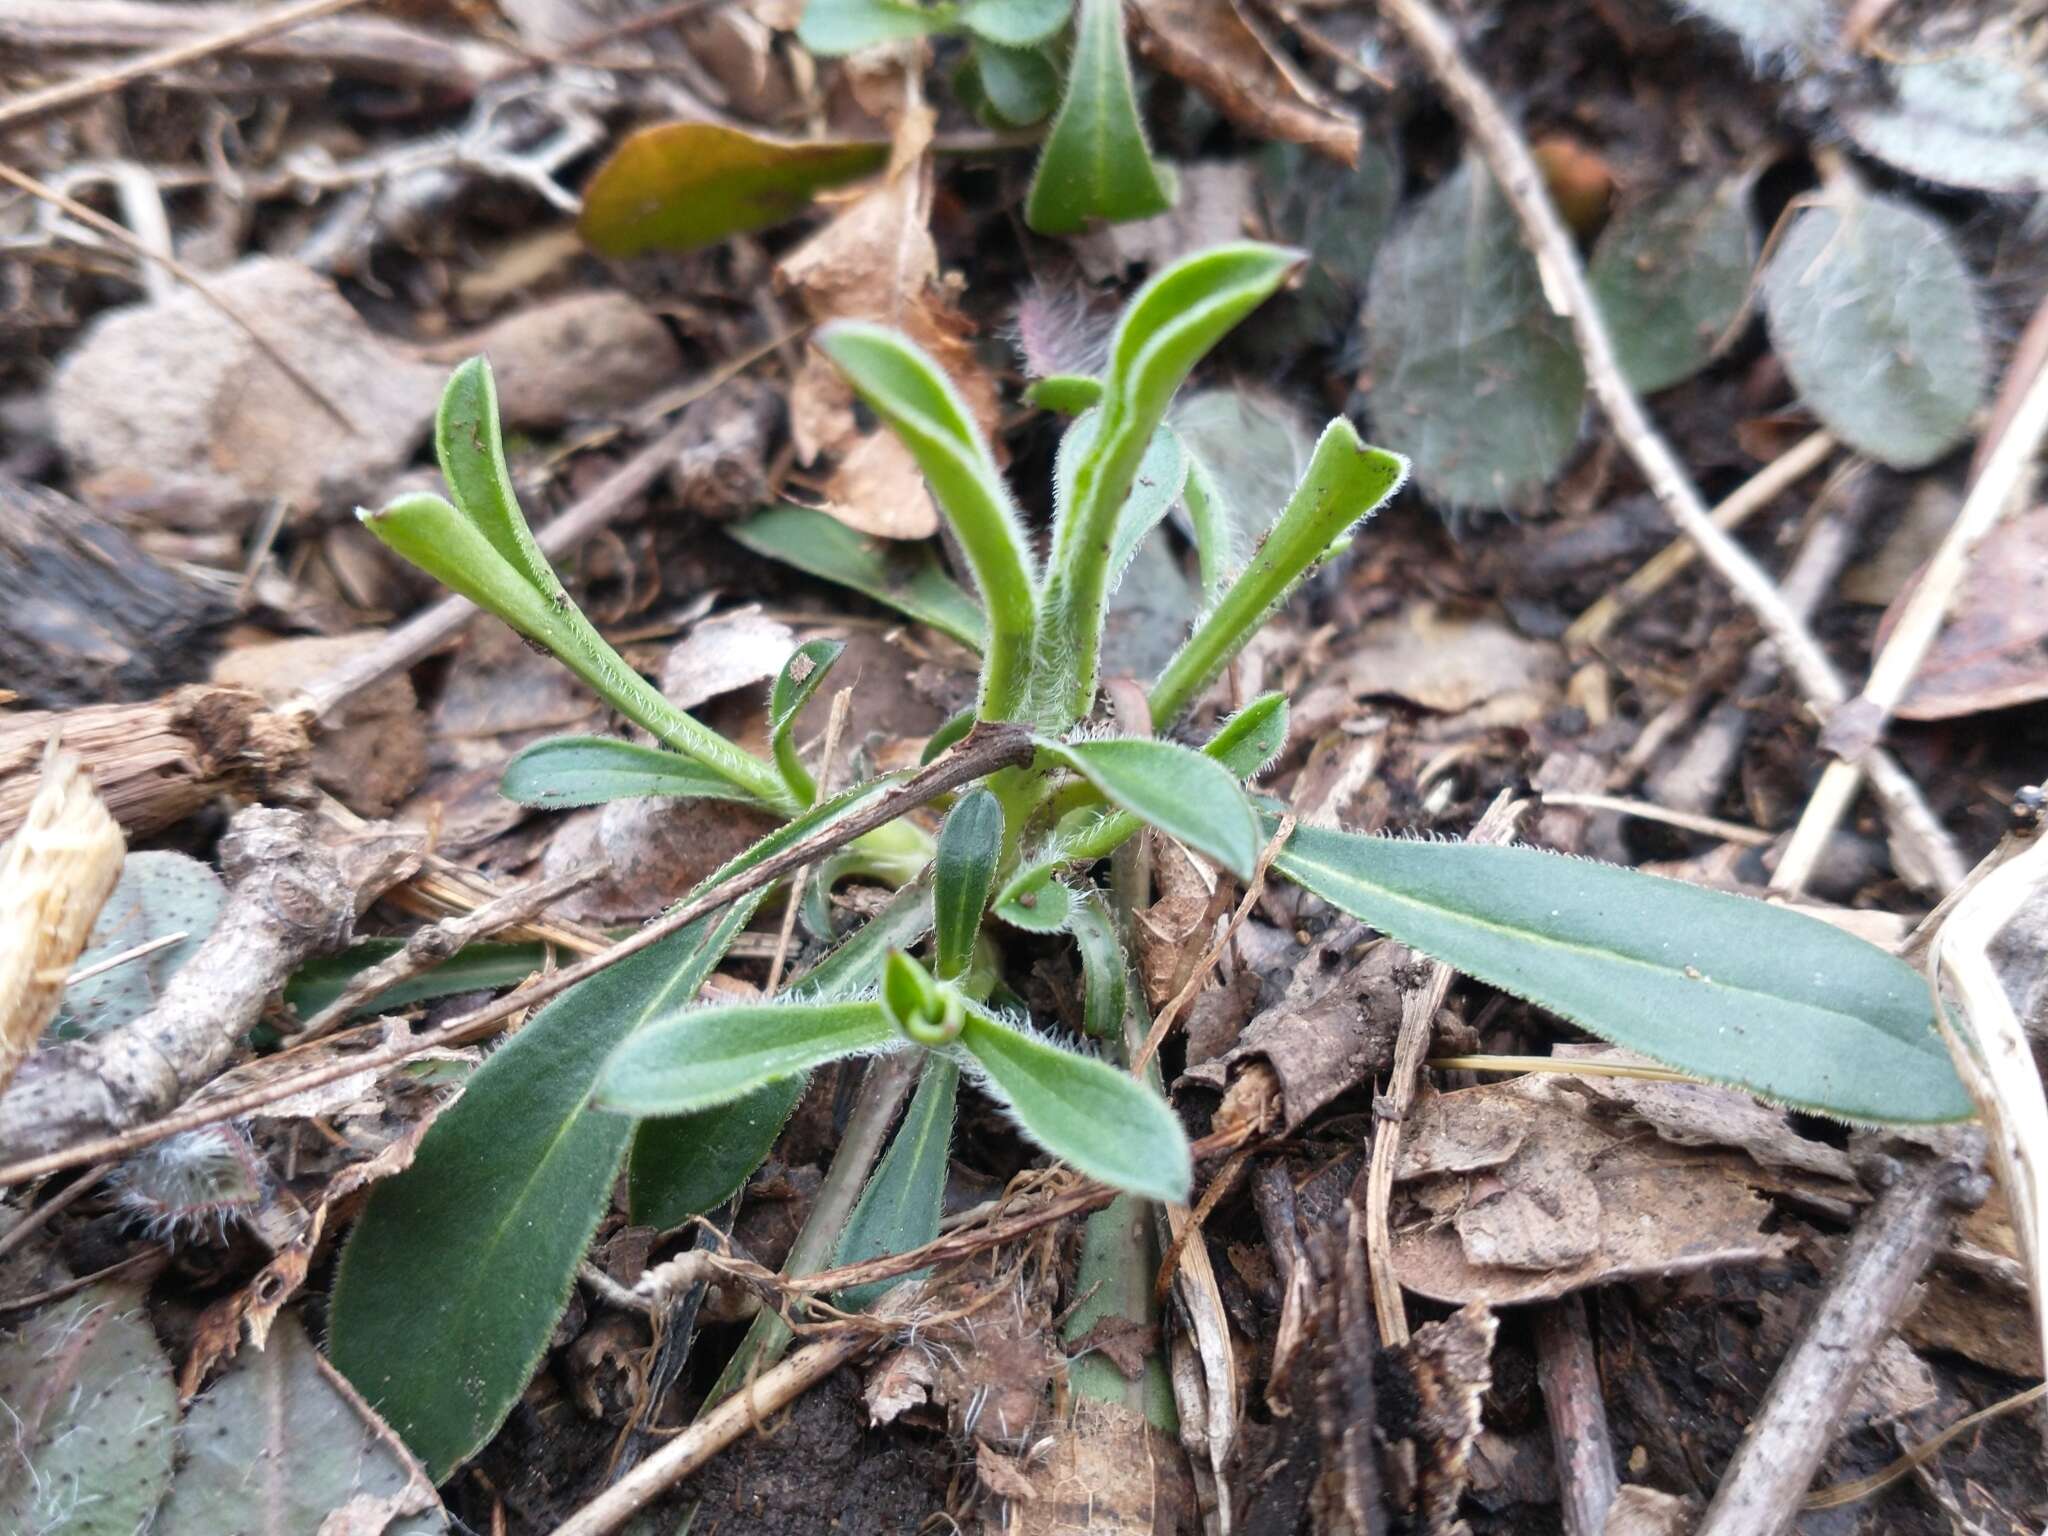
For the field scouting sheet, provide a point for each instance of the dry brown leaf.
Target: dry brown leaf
(1576, 1201)
(724, 654)
(1216, 47)
(1993, 651)
(1107, 1472)
(1641, 1511)
(821, 419)
(1446, 661)
(878, 489)
(1449, 1366)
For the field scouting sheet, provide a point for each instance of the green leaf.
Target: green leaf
(1015, 23)
(1721, 986)
(1963, 111)
(1875, 318)
(901, 1207)
(800, 678)
(1035, 900)
(1671, 273)
(1346, 480)
(1096, 163)
(1249, 740)
(970, 843)
(1475, 378)
(1083, 1111)
(452, 1280)
(703, 1056)
(566, 771)
(684, 186)
(1104, 976)
(1020, 85)
(1168, 327)
(473, 968)
(1184, 794)
(683, 1165)
(1156, 486)
(946, 736)
(1247, 450)
(1067, 393)
(471, 451)
(1340, 215)
(906, 577)
(910, 392)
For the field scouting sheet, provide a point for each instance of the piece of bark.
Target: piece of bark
(86, 617)
(158, 762)
(293, 895)
(55, 875)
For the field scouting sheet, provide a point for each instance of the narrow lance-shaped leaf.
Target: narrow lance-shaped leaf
(1168, 327)
(567, 771)
(1184, 794)
(1718, 985)
(905, 577)
(800, 678)
(1096, 163)
(473, 968)
(683, 1165)
(1085, 1112)
(970, 843)
(913, 395)
(471, 451)
(1345, 481)
(901, 1207)
(453, 1278)
(704, 1056)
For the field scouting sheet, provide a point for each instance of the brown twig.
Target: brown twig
(1418, 1026)
(985, 749)
(1570, 1380)
(1514, 169)
(69, 93)
(1853, 730)
(430, 946)
(1761, 1492)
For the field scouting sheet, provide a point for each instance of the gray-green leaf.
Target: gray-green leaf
(704, 1056)
(1718, 985)
(1474, 377)
(1671, 274)
(906, 577)
(1185, 794)
(963, 868)
(1875, 317)
(902, 1204)
(567, 771)
(159, 893)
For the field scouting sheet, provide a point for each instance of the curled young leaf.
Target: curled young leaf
(800, 677)
(1722, 986)
(1083, 1111)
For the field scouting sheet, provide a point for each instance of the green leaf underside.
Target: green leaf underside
(1475, 378)
(1875, 318)
(1049, 906)
(683, 186)
(471, 450)
(569, 771)
(1084, 1111)
(701, 1057)
(1096, 164)
(904, 577)
(451, 1282)
(963, 869)
(1021, 85)
(1188, 796)
(474, 968)
(1671, 274)
(1718, 985)
(901, 1207)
